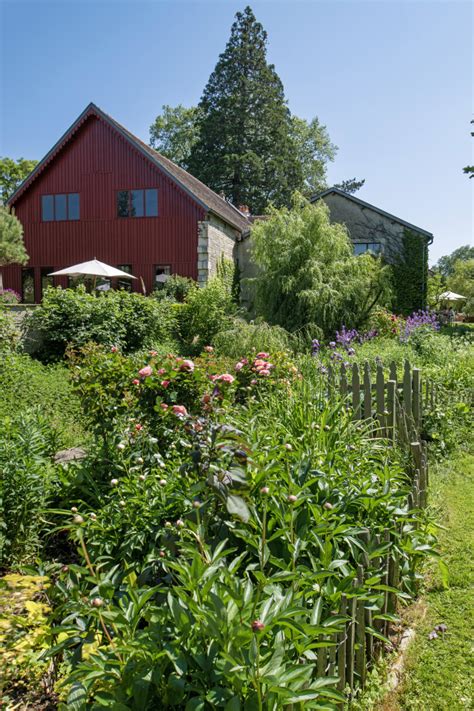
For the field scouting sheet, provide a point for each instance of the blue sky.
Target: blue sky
(392, 81)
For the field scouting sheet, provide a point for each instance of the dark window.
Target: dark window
(47, 208)
(123, 282)
(73, 211)
(28, 286)
(122, 203)
(137, 203)
(45, 279)
(60, 207)
(151, 202)
(372, 247)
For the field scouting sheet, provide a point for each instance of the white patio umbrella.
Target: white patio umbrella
(450, 296)
(93, 268)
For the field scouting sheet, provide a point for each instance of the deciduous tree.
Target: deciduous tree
(12, 174)
(12, 249)
(308, 276)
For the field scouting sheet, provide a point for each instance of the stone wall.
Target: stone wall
(366, 225)
(215, 239)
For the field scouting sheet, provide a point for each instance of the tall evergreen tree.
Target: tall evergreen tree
(245, 147)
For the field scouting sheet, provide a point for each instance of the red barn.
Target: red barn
(102, 193)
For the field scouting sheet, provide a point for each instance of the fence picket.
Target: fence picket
(416, 398)
(380, 397)
(356, 392)
(367, 392)
(391, 409)
(360, 661)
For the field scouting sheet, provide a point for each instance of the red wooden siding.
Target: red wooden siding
(96, 163)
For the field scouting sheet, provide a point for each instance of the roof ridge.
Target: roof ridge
(197, 190)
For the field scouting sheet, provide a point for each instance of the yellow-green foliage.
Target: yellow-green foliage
(24, 631)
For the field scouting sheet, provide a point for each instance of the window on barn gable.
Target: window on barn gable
(61, 207)
(137, 203)
(372, 247)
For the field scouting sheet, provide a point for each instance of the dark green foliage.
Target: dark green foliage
(410, 275)
(176, 288)
(245, 147)
(350, 186)
(116, 318)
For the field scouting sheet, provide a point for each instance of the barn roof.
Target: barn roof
(348, 196)
(202, 194)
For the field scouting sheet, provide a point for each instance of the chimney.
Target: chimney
(245, 210)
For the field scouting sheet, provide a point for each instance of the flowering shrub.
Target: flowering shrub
(426, 320)
(9, 296)
(384, 323)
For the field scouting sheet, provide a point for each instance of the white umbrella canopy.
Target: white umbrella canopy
(93, 268)
(450, 296)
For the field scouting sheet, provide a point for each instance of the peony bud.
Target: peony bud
(74, 509)
(162, 482)
(328, 506)
(114, 482)
(292, 498)
(288, 447)
(142, 477)
(265, 490)
(257, 626)
(97, 602)
(122, 503)
(93, 516)
(180, 523)
(121, 445)
(197, 504)
(78, 519)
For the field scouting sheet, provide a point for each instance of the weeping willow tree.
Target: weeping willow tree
(308, 276)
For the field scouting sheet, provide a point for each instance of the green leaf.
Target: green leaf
(237, 507)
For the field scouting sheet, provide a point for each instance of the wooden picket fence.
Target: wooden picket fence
(394, 406)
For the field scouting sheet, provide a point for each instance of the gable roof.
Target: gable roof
(200, 193)
(348, 196)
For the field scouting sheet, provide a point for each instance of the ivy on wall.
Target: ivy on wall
(410, 274)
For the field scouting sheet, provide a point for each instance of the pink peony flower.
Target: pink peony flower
(212, 377)
(187, 365)
(264, 372)
(165, 383)
(258, 363)
(153, 353)
(239, 366)
(180, 410)
(146, 371)
(262, 355)
(161, 371)
(163, 406)
(209, 349)
(114, 349)
(135, 381)
(253, 382)
(138, 427)
(226, 378)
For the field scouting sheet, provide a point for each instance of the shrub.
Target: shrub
(242, 337)
(9, 334)
(9, 296)
(119, 318)
(176, 288)
(207, 311)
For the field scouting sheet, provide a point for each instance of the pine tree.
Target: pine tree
(245, 147)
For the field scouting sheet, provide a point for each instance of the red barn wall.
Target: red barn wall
(96, 163)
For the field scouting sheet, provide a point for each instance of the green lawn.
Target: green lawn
(439, 673)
